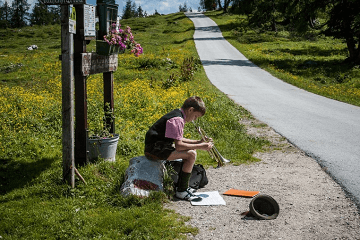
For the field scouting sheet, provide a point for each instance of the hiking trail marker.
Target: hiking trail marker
(78, 21)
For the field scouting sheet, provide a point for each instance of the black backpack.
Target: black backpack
(198, 175)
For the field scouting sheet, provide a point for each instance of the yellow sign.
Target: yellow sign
(72, 20)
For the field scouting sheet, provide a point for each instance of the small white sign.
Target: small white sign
(89, 20)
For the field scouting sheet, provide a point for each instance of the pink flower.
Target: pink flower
(123, 38)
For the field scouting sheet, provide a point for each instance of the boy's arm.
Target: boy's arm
(186, 140)
(188, 144)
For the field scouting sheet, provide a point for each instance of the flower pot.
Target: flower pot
(103, 48)
(104, 148)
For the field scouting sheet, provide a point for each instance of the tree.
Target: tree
(133, 10)
(264, 14)
(242, 6)
(156, 12)
(5, 15)
(55, 12)
(219, 4)
(344, 23)
(226, 4)
(208, 4)
(40, 14)
(128, 11)
(19, 13)
(183, 8)
(337, 18)
(140, 12)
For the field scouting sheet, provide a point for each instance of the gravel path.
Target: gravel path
(312, 205)
(326, 129)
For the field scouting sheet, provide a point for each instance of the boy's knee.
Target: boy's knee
(192, 154)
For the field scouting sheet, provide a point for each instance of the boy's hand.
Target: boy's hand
(207, 139)
(209, 146)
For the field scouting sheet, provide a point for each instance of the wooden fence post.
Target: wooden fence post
(109, 98)
(67, 66)
(80, 89)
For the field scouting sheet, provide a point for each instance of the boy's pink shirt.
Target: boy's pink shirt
(175, 127)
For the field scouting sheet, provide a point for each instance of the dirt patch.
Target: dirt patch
(312, 205)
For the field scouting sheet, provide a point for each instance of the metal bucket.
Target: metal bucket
(104, 148)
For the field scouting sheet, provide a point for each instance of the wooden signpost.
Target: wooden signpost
(77, 64)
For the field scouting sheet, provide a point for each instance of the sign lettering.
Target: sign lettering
(92, 63)
(89, 20)
(62, 2)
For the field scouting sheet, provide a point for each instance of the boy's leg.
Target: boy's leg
(189, 158)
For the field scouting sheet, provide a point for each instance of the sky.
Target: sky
(162, 6)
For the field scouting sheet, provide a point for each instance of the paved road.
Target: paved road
(327, 130)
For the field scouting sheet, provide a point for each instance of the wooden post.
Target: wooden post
(80, 89)
(109, 98)
(67, 66)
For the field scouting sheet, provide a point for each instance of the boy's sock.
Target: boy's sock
(184, 179)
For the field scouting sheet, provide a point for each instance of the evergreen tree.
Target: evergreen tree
(127, 10)
(55, 12)
(344, 23)
(133, 10)
(340, 19)
(156, 12)
(5, 15)
(226, 4)
(265, 14)
(183, 8)
(140, 12)
(20, 13)
(337, 18)
(208, 4)
(40, 14)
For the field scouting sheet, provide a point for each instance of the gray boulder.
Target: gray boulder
(143, 176)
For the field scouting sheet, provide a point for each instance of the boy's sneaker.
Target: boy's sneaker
(188, 195)
(190, 189)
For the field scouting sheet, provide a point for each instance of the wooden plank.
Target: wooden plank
(93, 63)
(67, 66)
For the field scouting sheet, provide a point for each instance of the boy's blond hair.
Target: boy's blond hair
(195, 102)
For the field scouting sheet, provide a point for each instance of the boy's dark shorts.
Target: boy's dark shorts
(159, 150)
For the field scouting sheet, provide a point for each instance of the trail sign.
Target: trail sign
(62, 2)
(77, 29)
(72, 20)
(89, 22)
(92, 63)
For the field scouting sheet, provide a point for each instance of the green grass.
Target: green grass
(34, 201)
(312, 62)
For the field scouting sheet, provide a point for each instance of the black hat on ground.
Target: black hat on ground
(264, 207)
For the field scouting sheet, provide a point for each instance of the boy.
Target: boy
(168, 130)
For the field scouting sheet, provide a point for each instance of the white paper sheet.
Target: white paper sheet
(209, 198)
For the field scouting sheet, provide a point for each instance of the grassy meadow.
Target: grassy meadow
(311, 62)
(34, 201)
